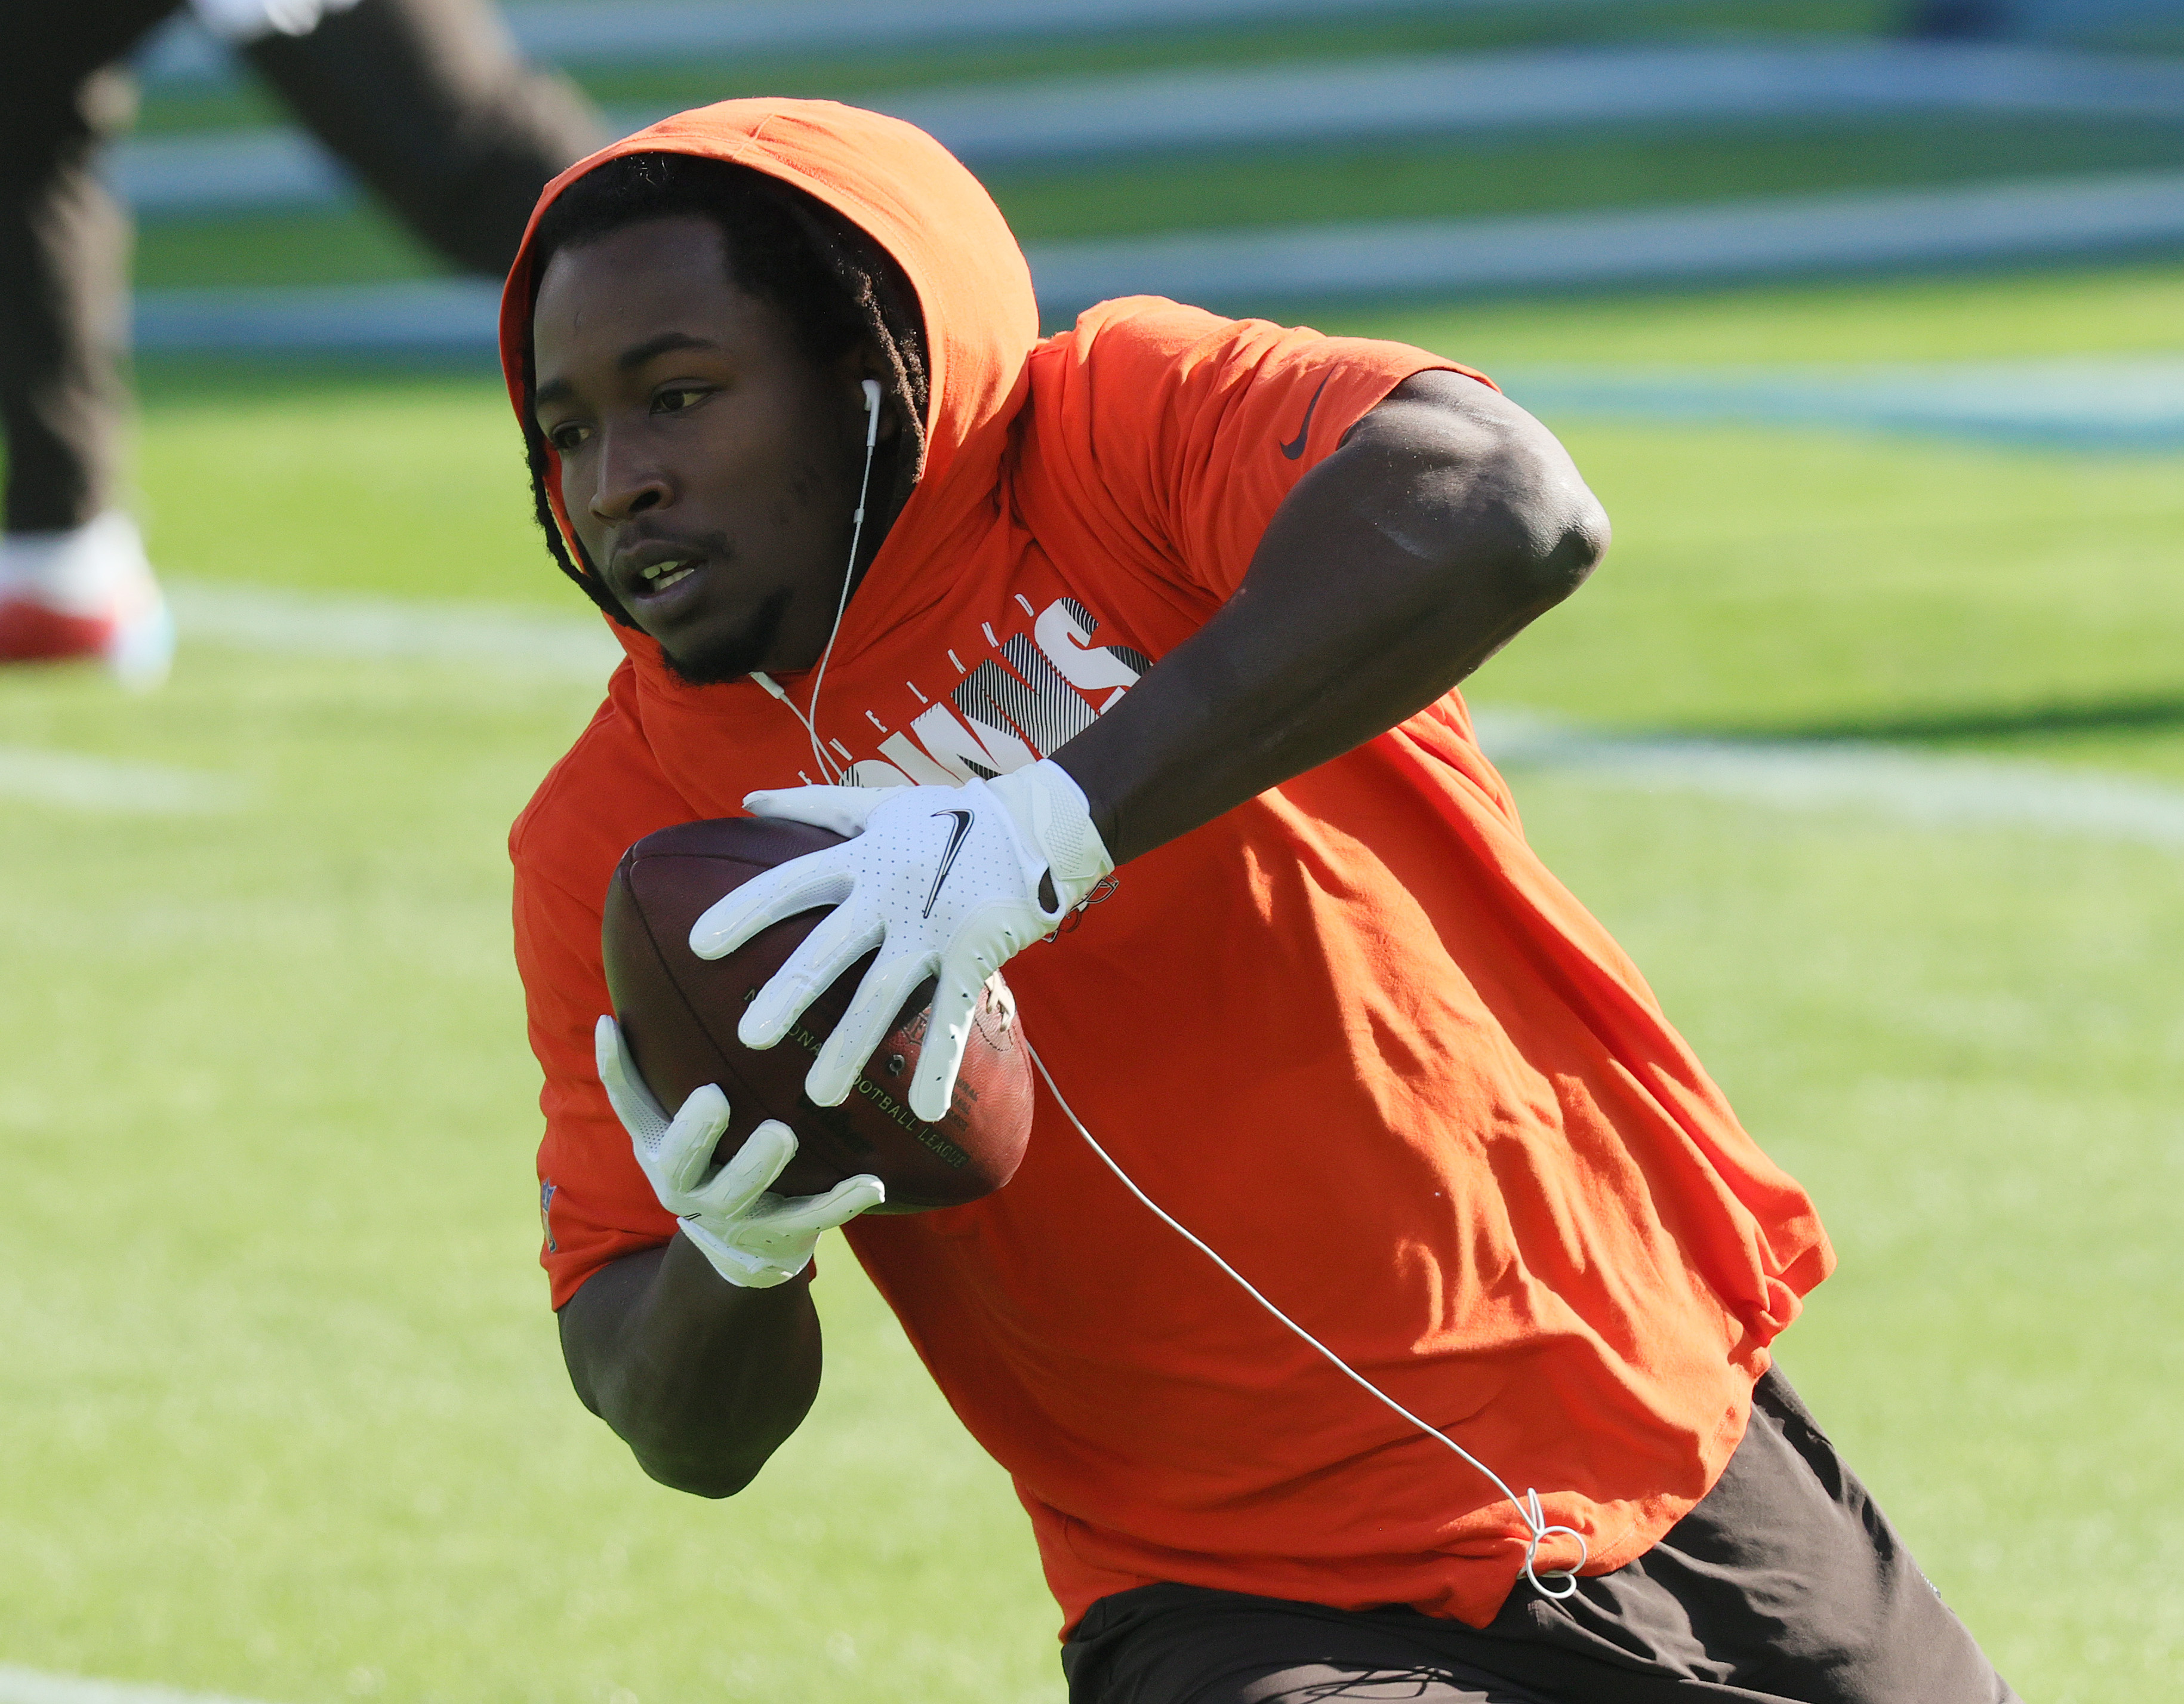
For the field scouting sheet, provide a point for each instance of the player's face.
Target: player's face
(709, 467)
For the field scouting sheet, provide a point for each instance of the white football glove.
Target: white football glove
(756, 1240)
(944, 881)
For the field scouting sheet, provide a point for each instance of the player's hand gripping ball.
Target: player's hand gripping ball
(678, 1016)
(754, 1238)
(941, 882)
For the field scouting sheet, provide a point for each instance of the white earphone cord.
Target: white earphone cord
(809, 718)
(829, 770)
(1527, 1507)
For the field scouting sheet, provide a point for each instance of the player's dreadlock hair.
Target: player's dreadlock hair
(837, 287)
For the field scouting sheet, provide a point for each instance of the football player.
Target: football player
(1179, 603)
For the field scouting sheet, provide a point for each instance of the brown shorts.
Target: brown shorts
(1785, 1583)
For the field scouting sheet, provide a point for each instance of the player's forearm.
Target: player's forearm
(1447, 521)
(702, 1380)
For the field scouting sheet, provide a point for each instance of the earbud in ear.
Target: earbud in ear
(872, 413)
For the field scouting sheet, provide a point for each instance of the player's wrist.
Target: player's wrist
(1053, 820)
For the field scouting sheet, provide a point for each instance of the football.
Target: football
(678, 1014)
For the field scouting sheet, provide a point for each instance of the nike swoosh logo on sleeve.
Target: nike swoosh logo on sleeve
(964, 819)
(1295, 448)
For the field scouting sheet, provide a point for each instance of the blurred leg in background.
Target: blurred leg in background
(426, 100)
(73, 578)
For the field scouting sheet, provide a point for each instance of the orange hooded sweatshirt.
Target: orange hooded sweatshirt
(1352, 1033)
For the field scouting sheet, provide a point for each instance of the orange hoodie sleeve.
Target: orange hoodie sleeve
(1177, 433)
(595, 1203)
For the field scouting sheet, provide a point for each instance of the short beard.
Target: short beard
(733, 657)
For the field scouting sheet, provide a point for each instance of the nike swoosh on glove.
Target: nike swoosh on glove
(944, 881)
(754, 1238)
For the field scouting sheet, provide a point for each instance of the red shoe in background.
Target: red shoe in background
(85, 595)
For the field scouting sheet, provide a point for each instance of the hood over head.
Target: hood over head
(936, 221)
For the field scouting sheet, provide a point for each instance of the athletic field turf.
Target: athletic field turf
(284, 1418)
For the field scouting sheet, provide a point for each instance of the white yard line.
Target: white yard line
(1890, 781)
(1899, 782)
(298, 624)
(33, 1686)
(574, 646)
(73, 782)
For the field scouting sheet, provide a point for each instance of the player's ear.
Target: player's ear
(871, 383)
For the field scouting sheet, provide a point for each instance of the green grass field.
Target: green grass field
(286, 1419)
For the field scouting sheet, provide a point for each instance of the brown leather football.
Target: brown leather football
(678, 1014)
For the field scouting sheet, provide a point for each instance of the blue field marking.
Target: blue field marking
(455, 316)
(640, 30)
(1903, 783)
(2126, 402)
(1245, 271)
(1054, 122)
(226, 172)
(1775, 237)
(1559, 91)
